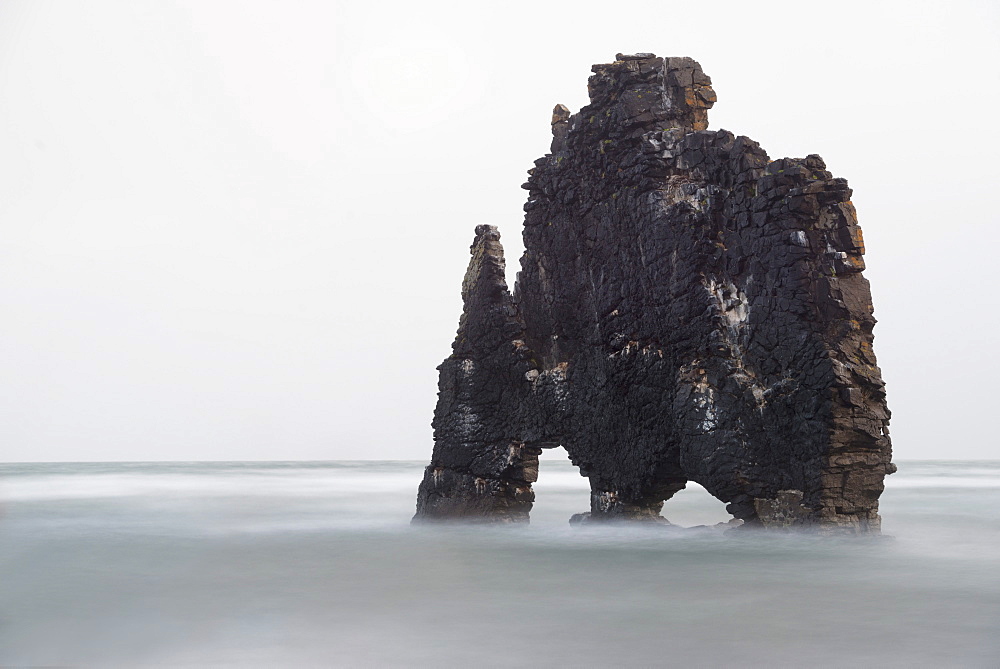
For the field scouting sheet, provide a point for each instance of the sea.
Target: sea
(316, 564)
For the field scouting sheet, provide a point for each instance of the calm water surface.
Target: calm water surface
(315, 564)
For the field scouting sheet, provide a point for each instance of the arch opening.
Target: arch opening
(560, 491)
(694, 506)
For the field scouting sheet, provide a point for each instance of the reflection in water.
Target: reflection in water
(316, 563)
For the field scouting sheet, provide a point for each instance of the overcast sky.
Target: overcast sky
(238, 230)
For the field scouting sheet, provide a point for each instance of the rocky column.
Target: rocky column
(481, 469)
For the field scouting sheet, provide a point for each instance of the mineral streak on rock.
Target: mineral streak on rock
(687, 310)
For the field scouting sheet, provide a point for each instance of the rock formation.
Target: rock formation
(687, 310)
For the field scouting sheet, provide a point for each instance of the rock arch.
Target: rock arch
(686, 309)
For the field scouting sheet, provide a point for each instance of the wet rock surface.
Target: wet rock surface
(687, 310)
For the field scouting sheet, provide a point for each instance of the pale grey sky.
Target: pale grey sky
(238, 230)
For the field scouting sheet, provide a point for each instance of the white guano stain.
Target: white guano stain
(731, 301)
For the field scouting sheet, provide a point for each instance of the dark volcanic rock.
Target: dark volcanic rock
(687, 310)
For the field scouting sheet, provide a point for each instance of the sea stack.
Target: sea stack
(687, 309)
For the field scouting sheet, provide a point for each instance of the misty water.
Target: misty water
(316, 564)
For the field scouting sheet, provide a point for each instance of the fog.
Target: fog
(295, 564)
(238, 230)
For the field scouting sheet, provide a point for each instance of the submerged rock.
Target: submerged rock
(687, 310)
